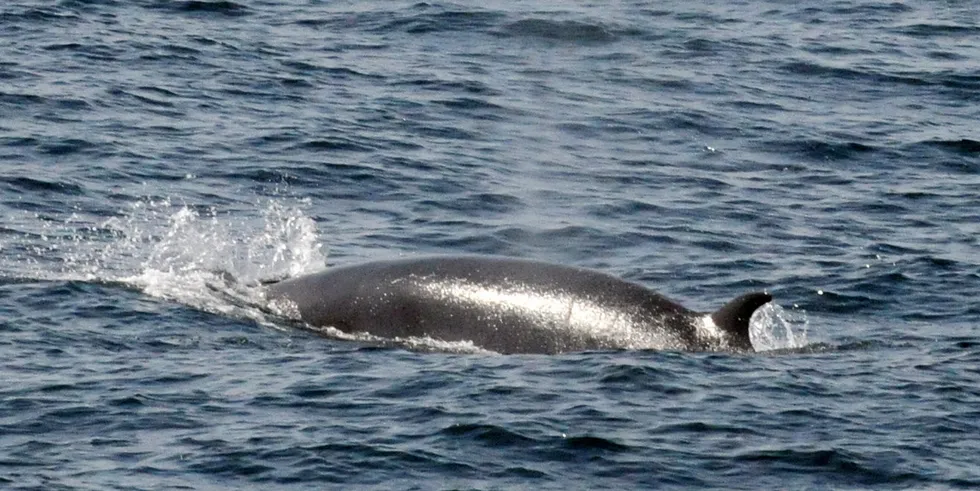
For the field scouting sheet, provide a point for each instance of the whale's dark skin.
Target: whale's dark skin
(511, 305)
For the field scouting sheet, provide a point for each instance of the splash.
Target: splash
(411, 343)
(280, 242)
(200, 257)
(215, 262)
(775, 328)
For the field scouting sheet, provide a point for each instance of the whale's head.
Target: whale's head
(733, 318)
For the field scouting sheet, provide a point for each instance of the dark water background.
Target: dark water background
(158, 158)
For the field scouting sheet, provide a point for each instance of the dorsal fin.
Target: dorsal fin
(734, 316)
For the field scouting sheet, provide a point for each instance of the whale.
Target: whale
(509, 306)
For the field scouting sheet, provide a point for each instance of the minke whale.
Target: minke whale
(510, 305)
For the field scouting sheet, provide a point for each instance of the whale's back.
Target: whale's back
(502, 304)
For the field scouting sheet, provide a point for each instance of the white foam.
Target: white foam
(414, 343)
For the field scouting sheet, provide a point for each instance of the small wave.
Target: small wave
(472, 205)
(9, 72)
(429, 20)
(469, 103)
(66, 146)
(221, 7)
(153, 96)
(932, 30)
(568, 31)
(963, 146)
(335, 73)
(698, 427)
(172, 53)
(965, 85)
(589, 443)
(63, 47)
(335, 144)
(471, 87)
(33, 185)
(36, 15)
(21, 99)
(493, 435)
(822, 150)
(615, 374)
(844, 465)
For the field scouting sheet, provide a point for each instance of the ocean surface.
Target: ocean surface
(160, 159)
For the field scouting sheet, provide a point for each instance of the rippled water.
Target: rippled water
(162, 158)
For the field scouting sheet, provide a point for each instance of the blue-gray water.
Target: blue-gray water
(159, 158)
